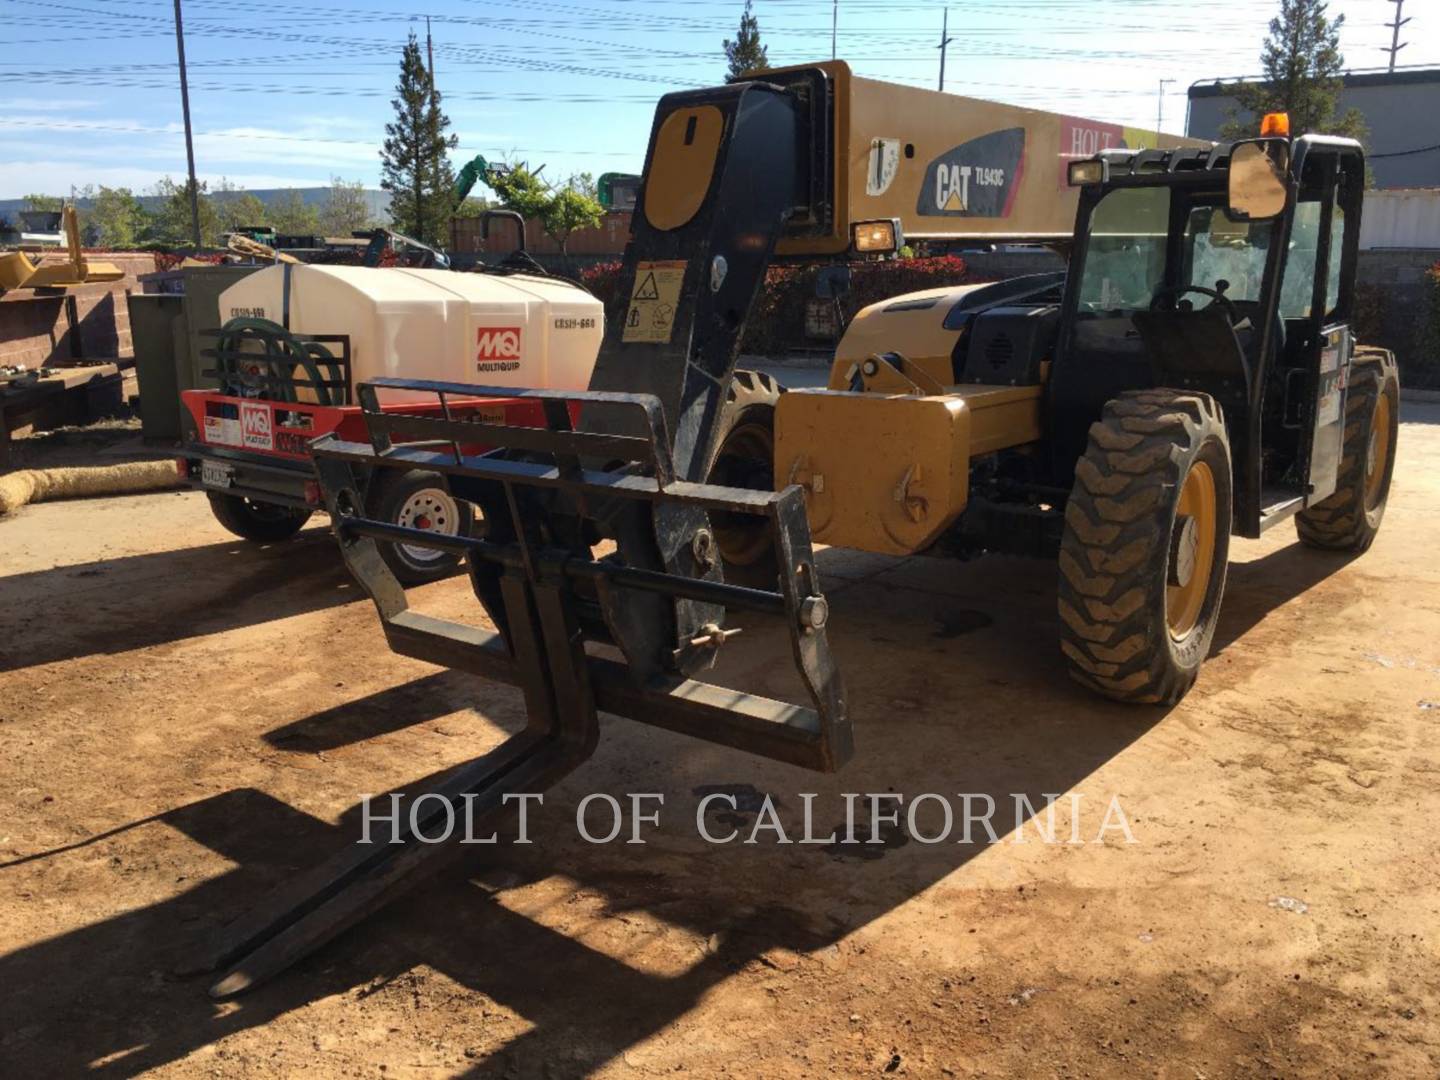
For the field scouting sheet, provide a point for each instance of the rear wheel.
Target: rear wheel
(261, 522)
(1349, 519)
(1147, 538)
(419, 499)
(745, 458)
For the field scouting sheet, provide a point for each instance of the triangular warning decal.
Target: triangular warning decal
(648, 289)
(953, 202)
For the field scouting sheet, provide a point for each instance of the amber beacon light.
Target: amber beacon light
(1275, 123)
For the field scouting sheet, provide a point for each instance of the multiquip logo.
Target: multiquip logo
(497, 348)
(255, 427)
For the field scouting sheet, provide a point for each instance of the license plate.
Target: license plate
(215, 475)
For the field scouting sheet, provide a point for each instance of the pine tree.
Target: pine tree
(415, 161)
(1303, 66)
(745, 54)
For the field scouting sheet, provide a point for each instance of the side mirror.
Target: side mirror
(832, 282)
(1257, 179)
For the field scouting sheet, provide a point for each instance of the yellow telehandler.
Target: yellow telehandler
(1190, 376)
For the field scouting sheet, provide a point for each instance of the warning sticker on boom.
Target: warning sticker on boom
(653, 301)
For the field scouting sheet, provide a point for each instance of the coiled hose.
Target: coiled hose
(281, 352)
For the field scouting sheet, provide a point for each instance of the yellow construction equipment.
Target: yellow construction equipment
(1190, 375)
(18, 272)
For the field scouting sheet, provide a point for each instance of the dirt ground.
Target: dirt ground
(186, 720)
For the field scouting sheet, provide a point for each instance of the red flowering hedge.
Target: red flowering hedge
(778, 321)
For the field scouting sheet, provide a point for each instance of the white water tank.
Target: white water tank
(490, 329)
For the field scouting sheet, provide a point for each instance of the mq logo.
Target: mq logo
(497, 343)
(255, 427)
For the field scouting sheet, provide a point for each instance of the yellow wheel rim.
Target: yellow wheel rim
(1192, 551)
(1377, 457)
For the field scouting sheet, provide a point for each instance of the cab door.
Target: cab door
(1320, 274)
(1327, 425)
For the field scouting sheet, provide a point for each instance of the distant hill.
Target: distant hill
(377, 201)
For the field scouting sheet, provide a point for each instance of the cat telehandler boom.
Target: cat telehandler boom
(1191, 375)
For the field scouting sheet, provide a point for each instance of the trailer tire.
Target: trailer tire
(1349, 519)
(420, 499)
(1144, 554)
(260, 522)
(745, 458)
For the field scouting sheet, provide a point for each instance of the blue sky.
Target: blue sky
(288, 93)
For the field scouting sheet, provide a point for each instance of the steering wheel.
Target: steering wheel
(1174, 292)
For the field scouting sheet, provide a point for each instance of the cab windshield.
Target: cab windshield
(1126, 262)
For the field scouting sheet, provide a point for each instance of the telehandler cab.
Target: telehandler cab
(1190, 376)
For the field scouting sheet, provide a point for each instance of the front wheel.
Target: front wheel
(745, 458)
(419, 499)
(1147, 539)
(260, 522)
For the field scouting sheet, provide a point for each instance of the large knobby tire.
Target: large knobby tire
(261, 522)
(1147, 538)
(1349, 519)
(419, 499)
(745, 458)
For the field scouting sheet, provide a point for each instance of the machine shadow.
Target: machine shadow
(258, 583)
(387, 710)
(956, 688)
(1256, 588)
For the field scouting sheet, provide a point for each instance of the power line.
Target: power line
(134, 129)
(1405, 153)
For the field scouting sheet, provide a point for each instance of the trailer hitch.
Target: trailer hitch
(621, 629)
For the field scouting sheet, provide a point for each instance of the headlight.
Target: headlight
(875, 235)
(1086, 172)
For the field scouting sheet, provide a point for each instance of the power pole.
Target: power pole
(430, 70)
(945, 39)
(1160, 111)
(834, 24)
(1395, 43)
(189, 136)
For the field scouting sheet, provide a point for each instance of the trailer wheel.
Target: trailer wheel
(745, 458)
(419, 499)
(1349, 519)
(261, 522)
(1147, 538)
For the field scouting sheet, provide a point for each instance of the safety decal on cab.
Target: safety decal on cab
(653, 302)
(497, 348)
(255, 427)
(978, 178)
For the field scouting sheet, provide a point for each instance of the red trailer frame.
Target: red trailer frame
(259, 449)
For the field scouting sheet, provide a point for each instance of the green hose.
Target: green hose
(281, 351)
